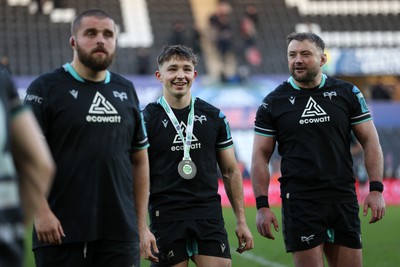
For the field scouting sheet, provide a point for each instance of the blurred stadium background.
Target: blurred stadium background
(362, 43)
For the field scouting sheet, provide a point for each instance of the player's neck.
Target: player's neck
(178, 102)
(311, 84)
(87, 73)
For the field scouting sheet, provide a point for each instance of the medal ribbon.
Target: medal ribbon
(189, 126)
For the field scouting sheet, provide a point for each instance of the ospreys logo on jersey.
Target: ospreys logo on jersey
(102, 111)
(178, 143)
(313, 113)
(121, 96)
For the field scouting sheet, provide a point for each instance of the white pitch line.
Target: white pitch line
(260, 260)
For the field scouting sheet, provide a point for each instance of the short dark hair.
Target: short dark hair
(179, 51)
(95, 12)
(301, 36)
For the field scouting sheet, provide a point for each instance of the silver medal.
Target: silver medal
(187, 169)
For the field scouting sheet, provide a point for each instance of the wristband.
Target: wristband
(262, 202)
(376, 186)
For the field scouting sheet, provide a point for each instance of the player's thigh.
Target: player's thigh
(346, 226)
(174, 254)
(211, 238)
(211, 261)
(65, 255)
(172, 243)
(341, 256)
(182, 264)
(310, 257)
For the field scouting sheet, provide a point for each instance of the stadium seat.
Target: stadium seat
(369, 23)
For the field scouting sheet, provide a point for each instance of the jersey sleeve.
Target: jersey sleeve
(224, 139)
(264, 123)
(35, 98)
(360, 109)
(146, 115)
(140, 140)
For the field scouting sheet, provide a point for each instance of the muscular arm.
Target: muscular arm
(263, 147)
(233, 183)
(141, 185)
(232, 179)
(141, 189)
(35, 169)
(33, 160)
(368, 138)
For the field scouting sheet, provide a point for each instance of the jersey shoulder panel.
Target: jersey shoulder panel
(49, 79)
(151, 110)
(119, 79)
(205, 106)
(338, 84)
(359, 109)
(204, 110)
(282, 89)
(152, 113)
(264, 121)
(128, 85)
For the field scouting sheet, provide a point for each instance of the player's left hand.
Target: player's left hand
(148, 246)
(376, 203)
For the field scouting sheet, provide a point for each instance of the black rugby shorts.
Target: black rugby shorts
(179, 240)
(100, 253)
(307, 224)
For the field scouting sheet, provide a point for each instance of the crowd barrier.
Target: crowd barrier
(391, 193)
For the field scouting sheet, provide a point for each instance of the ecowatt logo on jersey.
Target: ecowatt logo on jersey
(101, 110)
(313, 113)
(178, 143)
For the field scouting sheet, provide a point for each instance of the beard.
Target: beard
(94, 63)
(308, 77)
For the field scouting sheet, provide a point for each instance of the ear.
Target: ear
(158, 75)
(324, 59)
(72, 41)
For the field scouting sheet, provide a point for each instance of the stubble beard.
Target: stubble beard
(308, 77)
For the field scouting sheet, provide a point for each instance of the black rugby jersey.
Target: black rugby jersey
(312, 128)
(92, 129)
(172, 197)
(11, 225)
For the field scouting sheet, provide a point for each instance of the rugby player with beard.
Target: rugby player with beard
(91, 119)
(311, 117)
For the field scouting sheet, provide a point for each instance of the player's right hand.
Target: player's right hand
(48, 228)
